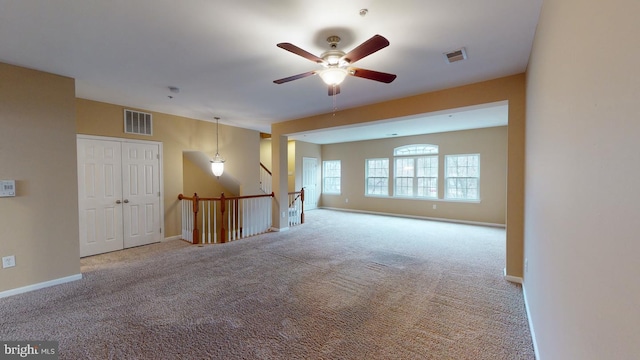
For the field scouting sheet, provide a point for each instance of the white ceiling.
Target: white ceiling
(223, 55)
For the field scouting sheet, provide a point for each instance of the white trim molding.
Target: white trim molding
(416, 217)
(513, 279)
(533, 333)
(41, 285)
(176, 237)
(275, 229)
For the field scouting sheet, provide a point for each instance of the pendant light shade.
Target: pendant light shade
(217, 164)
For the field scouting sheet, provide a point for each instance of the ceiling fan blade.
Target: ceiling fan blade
(295, 77)
(368, 47)
(372, 75)
(296, 50)
(334, 90)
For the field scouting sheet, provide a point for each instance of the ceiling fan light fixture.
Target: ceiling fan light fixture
(333, 75)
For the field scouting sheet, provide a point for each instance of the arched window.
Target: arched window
(416, 171)
(416, 149)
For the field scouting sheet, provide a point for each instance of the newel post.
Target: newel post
(302, 207)
(196, 231)
(222, 208)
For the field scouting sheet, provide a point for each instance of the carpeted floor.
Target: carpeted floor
(341, 286)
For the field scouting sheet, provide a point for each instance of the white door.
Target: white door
(99, 196)
(310, 182)
(140, 193)
(118, 194)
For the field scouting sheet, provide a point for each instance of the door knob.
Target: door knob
(118, 202)
(126, 201)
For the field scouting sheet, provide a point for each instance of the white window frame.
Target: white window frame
(376, 174)
(329, 174)
(464, 178)
(406, 173)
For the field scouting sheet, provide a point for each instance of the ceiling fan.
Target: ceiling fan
(337, 64)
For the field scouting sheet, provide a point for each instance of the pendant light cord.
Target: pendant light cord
(217, 118)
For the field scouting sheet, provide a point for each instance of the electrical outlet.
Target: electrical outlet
(346, 200)
(526, 265)
(8, 261)
(434, 206)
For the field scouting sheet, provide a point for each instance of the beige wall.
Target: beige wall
(296, 151)
(582, 232)
(490, 143)
(265, 152)
(239, 147)
(196, 180)
(291, 166)
(511, 89)
(38, 150)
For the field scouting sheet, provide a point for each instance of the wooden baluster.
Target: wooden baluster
(183, 220)
(236, 221)
(196, 231)
(222, 208)
(302, 207)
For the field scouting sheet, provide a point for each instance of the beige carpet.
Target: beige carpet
(341, 286)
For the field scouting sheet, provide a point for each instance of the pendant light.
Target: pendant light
(217, 164)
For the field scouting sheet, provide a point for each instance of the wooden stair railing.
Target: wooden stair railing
(293, 197)
(265, 179)
(234, 221)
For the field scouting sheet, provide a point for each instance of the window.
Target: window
(416, 171)
(331, 177)
(462, 179)
(377, 173)
(416, 149)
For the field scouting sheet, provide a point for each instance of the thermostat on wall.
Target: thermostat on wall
(7, 188)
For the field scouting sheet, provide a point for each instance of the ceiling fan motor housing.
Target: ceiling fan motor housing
(333, 41)
(334, 58)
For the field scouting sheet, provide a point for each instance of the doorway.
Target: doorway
(310, 182)
(119, 194)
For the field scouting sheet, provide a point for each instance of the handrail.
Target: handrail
(293, 199)
(265, 168)
(300, 194)
(182, 197)
(266, 179)
(234, 203)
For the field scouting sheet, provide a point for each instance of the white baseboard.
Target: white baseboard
(513, 279)
(41, 285)
(177, 237)
(533, 333)
(416, 217)
(279, 229)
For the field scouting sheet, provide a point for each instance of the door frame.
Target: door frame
(160, 168)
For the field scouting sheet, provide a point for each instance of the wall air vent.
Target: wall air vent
(136, 122)
(456, 55)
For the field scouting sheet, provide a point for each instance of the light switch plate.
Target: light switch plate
(8, 261)
(7, 188)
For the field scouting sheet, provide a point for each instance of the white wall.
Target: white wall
(582, 199)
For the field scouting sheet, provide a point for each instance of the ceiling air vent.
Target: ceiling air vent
(457, 55)
(136, 122)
